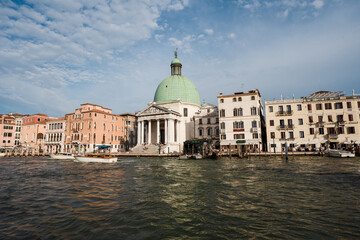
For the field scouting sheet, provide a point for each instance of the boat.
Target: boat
(62, 156)
(2, 154)
(340, 153)
(95, 158)
(197, 156)
(184, 157)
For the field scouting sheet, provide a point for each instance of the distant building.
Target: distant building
(33, 132)
(320, 120)
(55, 135)
(93, 126)
(7, 131)
(130, 130)
(242, 121)
(207, 124)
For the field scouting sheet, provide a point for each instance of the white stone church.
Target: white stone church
(169, 120)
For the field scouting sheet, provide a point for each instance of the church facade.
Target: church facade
(168, 121)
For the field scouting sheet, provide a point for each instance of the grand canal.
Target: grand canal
(173, 199)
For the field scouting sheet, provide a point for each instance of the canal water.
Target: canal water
(306, 198)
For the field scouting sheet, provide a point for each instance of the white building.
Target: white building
(242, 120)
(168, 121)
(320, 120)
(207, 123)
(55, 135)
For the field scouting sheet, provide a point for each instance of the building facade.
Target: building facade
(242, 121)
(318, 121)
(55, 135)
(168, 121)
(93, 126)
(7, 131)
(130, 130)
(207, 124)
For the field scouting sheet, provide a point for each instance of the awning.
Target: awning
(103, 146)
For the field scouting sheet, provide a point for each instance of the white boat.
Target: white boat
(183, 157)
(96, 159)
(340, 153)
(62, 156)
(197, 156)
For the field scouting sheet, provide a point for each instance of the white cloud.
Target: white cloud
(209, 31)
(231, 35)
(318, 4)
(184, 44)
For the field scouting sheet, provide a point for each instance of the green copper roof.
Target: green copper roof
(177, 87)
(176, 60)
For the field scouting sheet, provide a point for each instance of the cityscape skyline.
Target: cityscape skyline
(56, 55)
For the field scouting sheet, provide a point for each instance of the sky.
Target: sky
(57, 54)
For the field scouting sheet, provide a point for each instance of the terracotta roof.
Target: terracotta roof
(57, 119)
(95, 105)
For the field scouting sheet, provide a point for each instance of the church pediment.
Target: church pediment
(155, 110)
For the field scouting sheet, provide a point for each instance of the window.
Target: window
(290, 123)
(238, 125)
(253, 111)
(223, 136)
(301, 134)
(272, 135)
(330, 118)
(320, 118)
(254, 124)
(209, 131)
(340, 130)
(291, 135)
(358, 104)
(252, 97)
(234, 99)
(348, 104)
(200, 121)
(239, 99)
(282, 135)
(222, 113)
(281, 109)
(282, 123)
(239, 136)
(299, 107)
(351, 130)
(321, 131)
(240, 112)
(217, 120)
(255, 136)
(301, 122)
(185, 112)
(319, 106)
(311, 131)
(271, 109)
(104, 116)
(309, 107)
(235, 112)
(339, 118)
(221, 100)
(200, 131)
(351, 117)
(310, 119)
(338, 105)
(288, 108)
(328, 106)
(271, 122)
(222, 125)
(209, 121)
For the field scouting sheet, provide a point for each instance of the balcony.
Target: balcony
(285, 127)
(340, 123)
(254, 130)
(331, 136)
(319, 124)
(284, 113)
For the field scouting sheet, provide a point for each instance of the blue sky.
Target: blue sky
(58, 54)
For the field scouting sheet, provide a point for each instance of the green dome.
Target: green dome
(177, 87)
(176, 60)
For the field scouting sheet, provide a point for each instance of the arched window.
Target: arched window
(239, 99)
(222, 113)
(234, 99)
(200, 131)
(209, 131)
(222, 125)
(235, 112)
(240, 112)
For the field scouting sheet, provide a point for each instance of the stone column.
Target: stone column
(158, 131)
(166, 131)
(171, 130)
(139, 133)
(149, 132)
(178, 131)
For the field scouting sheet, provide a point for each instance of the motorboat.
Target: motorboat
(62, 156)
(184, 157)
(197, 156)
(96, 158)
(340, 153)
